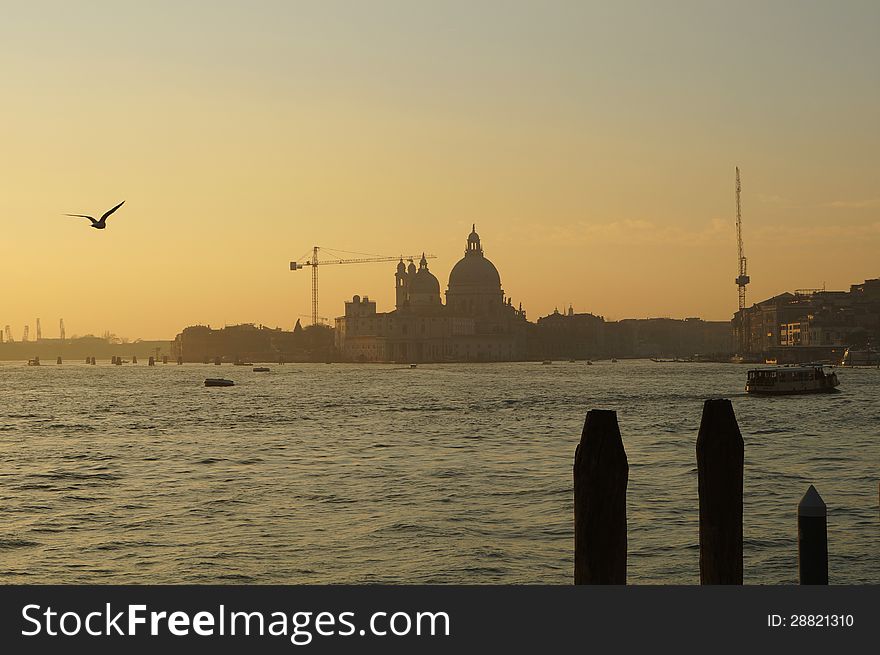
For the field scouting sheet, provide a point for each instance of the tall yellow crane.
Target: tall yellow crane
(742, 279)
(314, 262)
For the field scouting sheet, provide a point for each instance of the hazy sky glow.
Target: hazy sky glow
(594, 145)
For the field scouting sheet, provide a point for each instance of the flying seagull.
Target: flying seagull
(99, 225)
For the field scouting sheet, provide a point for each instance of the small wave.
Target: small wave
(9, 544)
(77, 475)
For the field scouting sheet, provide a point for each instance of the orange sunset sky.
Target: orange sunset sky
(593, 144)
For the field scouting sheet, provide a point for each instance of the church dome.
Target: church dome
(424, 282)
(423, 286)
(474, 270)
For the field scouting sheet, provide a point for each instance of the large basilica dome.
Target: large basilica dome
(474, 270)
(474, 282)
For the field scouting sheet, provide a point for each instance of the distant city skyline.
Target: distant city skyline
(593, 144)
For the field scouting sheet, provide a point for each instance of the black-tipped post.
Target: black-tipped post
(720, 472)
(812, 539)
(601, 473)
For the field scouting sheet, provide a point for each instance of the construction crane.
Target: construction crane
(62, 329)
(39, 331)
(314, 263)
(8, 331)
(742, 279)
(27, 331)
(322, 319)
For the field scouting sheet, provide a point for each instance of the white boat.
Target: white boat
(785, 380)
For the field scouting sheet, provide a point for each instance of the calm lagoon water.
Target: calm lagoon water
(383, 474)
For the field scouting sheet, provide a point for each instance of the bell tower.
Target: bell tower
(401, 278)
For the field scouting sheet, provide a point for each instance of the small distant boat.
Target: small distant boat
(261, 369)
(571, 361)
(547, 361)
(413, 365)
(239, 363)
(218, 382)
(34, 362)
(613, 361)
(788, 380)
(589, 362)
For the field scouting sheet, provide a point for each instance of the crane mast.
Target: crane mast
(742, 279)
(314, 263)
(314, 285)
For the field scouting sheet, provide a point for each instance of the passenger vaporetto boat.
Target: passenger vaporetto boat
(782, 380)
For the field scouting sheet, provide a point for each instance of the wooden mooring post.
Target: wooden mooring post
(720, 472)
(601, 473)
(812, 539)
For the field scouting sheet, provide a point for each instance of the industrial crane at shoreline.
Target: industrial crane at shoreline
(314, 262)
(742, 279)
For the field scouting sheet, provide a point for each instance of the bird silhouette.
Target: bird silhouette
(99, 225)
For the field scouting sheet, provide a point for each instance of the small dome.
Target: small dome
(424, 282)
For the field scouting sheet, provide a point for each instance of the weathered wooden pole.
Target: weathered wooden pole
(151, 361)
(164, 359)
(134, 359)
(58, 361)
(601, 472)
(812, 539)
(720, 473)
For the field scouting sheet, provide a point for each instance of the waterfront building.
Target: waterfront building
(248, 342)
(811, 319)
(587, 336)
(476, 323)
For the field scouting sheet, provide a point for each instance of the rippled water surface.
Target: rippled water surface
(447, 473)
